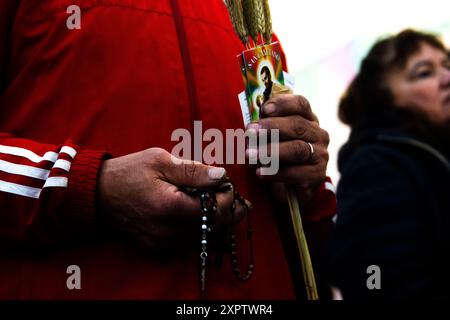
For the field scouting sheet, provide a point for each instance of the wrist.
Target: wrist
(102, 190)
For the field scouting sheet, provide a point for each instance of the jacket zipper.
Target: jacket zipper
(187, 62)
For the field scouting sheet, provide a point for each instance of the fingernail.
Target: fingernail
(252, 154)
(216, 173)
(260, 172)
(254, 126)
(269, 108)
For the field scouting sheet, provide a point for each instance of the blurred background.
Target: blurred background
(325, 40)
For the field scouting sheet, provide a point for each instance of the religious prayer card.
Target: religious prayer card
(262, 73)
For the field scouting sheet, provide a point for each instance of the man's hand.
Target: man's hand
(298, 126)
(140, 197)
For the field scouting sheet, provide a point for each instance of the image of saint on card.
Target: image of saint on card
(263, 69)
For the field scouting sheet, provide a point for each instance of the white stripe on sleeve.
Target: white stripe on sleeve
(62, 164)
(69, 150)
(56, 182)
(32, 172)
(24, 170)
(30, 155)
(20, 190)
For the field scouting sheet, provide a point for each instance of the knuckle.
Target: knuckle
(303, 103)
(326, 137)
(326, 157)
(190, 171)
(315, 133)
(298, 150)
(321, 157)
(156, 155)
(157, 152)
(267, 123)
(297, 128)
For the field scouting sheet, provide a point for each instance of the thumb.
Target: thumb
(194, 174)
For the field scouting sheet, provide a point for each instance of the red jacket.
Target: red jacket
(134, 72)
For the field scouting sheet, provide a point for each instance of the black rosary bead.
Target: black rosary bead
(208, 210)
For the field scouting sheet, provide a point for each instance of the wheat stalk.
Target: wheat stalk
(305, 258)
(254, 18)
(237, 19)
(268, 22)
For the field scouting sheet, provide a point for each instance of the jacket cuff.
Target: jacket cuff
(80, 204)
(323, 205)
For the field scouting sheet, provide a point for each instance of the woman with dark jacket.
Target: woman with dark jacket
(392, 236)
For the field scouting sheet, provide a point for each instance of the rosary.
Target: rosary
(208, 210)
